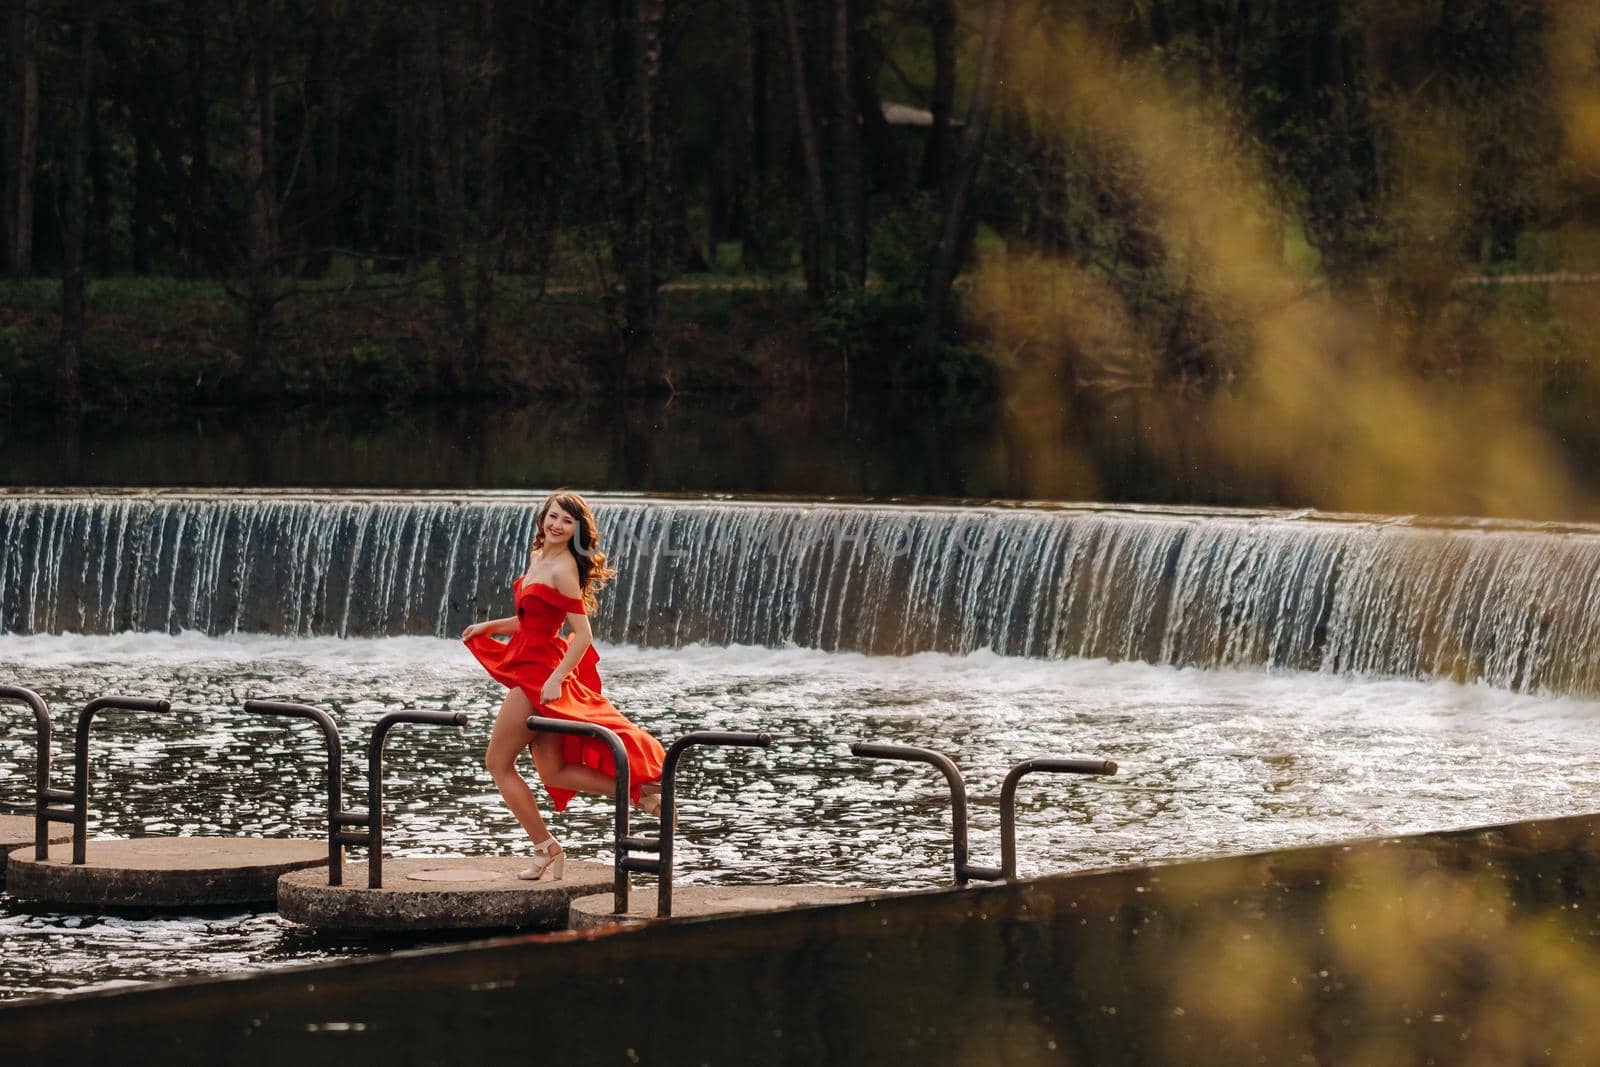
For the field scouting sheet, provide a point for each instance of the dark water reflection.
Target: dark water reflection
(878, 446)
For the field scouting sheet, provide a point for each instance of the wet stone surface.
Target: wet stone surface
(699, 901)
(17, 831)
(177, 872)
(438, 893)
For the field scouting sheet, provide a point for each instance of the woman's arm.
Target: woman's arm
(582, 638)
(491, 626)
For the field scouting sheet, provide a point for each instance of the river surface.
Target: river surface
(874, 447)
(1212, 761)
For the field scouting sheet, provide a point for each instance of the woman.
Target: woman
(548, 675)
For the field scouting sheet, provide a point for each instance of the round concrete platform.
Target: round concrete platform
(439, 893)
(16, 831)
(694, 901)
(163, 872)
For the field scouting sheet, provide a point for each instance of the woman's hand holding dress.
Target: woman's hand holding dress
(551, 690)
(561, 677)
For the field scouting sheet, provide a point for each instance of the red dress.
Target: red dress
(525, 663)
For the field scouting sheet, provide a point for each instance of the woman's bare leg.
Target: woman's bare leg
(506, 743)
(546, 749)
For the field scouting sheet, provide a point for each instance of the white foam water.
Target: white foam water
(1212, 761)
(1507, 603)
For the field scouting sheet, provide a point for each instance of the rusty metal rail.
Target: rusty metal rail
(374, 813)
(626, 847)
(966, 871)
(370, 821)
(669, 803)
(330, 735)
(78, 796)
(43, 794)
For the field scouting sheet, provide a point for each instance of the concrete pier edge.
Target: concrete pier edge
(16, 832)
(422, 893)
(699, 901)
(162, 872)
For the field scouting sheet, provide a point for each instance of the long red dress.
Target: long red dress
(525, 663)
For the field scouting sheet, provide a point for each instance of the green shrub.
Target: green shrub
(379, 368)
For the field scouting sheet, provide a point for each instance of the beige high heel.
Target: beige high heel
(547, 867)
(650, 802)
(650, 799)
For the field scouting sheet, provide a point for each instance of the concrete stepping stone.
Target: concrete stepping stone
(439, 893)
(16, 831)
(163, 872)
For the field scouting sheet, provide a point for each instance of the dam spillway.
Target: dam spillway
(1507, 604)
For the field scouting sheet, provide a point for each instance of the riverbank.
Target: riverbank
(166, 345)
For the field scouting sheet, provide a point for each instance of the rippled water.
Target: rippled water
(1212, 761)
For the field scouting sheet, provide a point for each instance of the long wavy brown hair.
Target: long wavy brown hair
(593, 573)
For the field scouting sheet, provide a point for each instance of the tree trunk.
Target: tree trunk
(443, 117)
(72, 274)
(260, 196)
(322, 161)
(648, 165)
(403, 233)
(1341, 255)
(489, 222)
(675, 246)
(847, 164)
(936, 157)
(144, 179)
(815, 228)
(97, 250)
(22, 136)
(883, 168)
(749, 161)
(957, 192)
(194, 232)
(728, 181)
(598, 116)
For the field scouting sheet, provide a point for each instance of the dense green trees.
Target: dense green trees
(274, 144)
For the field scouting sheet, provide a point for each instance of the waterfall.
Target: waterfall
(1508, 604)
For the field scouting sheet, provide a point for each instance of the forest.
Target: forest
(311, 200)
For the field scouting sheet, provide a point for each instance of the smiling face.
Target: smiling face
(559, 525)
(565, 522)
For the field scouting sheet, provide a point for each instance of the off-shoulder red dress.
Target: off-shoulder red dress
(525, 663)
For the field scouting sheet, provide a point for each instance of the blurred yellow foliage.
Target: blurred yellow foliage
(1345, 401)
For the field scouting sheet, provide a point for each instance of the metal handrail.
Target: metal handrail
(80, 760)
(1008, 798)
(965, 871)
(669, 803)
(374, 813)
(372, 819)
(623, 861)
(330, 735)
(662, 845)
(958, 796)
(42, 793)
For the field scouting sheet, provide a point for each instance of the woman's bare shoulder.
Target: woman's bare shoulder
(565, 577)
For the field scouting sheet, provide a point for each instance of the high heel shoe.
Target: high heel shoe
(650, 799)
(650, 802)
(547, 867)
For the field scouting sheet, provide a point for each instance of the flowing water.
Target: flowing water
(1264, 679)
(1212, 761)
(1507, 603)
